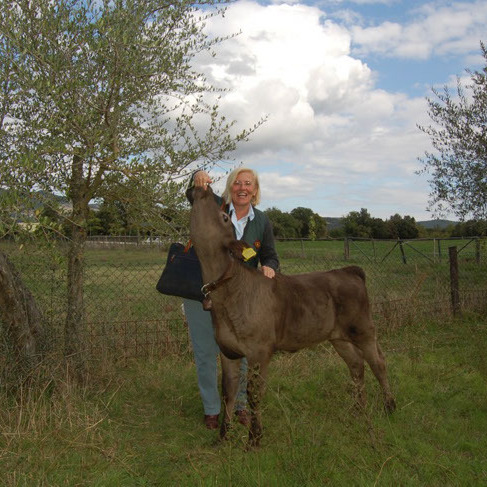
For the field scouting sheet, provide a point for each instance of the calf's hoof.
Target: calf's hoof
(252, 444)
(224, 429)
(390, 405)
(254, 439)
(243, 417)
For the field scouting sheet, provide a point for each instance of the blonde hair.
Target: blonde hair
(232, 177)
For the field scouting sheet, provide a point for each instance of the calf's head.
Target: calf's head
(211, 229)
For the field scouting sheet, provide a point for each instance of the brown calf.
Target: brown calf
(254, 316)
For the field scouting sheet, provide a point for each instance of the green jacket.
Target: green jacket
(257, 234)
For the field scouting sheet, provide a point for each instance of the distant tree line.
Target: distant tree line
(118, 218)
(304, 223)
(114, 218)
(299, 223)
(362, 224)
(470, 228)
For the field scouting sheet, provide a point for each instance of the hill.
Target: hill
(333, 222)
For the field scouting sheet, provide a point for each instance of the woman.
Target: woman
(251, 225)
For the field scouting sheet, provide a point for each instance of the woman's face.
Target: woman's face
(243, 189)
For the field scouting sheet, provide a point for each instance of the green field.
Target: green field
(138, 422)
(141, 425)
(127, 317)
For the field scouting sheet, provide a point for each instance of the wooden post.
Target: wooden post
(477, 251)
(455, 290)
(346, 248)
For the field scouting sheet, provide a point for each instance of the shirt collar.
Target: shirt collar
(250, 215)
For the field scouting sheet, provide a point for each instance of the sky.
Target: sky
(343, 86)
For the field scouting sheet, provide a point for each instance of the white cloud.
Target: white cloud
(442, 28)
(359, 2)
(333, 141)
(292, 67)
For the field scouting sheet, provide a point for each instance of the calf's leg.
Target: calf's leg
(257, 374)
(230, 385)
(375, 358)
(354, 359)
(373, 355)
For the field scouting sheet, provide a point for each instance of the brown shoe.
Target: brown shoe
(211, 421)
(243, 417)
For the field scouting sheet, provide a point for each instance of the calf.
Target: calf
(254, 316)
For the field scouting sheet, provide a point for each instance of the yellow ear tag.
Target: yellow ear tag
(248, 253)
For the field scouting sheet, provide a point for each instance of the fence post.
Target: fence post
(455, 290)
(402, 252)
(477, 251)
(346, 249)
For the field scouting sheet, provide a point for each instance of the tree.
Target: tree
(361, 224)
(379, 228)
(471, 228)
(312, 224)
(458, 168)
(284, 225)
(98, 97)
(358, 224)
(22, 321)
(112, 218)
(402, 227)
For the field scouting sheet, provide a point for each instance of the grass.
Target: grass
(140, 425)
(128, 278)
(125, 275)
(126, 317)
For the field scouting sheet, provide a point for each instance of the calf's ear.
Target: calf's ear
(236, 247)
(241, 250)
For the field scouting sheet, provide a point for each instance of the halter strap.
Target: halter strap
(209, 287)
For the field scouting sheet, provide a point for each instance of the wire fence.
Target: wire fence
(126, 317)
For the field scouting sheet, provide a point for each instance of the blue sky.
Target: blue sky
(343, 86)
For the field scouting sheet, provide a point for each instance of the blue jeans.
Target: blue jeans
(206, 353)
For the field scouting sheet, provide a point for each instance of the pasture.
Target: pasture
(141, 424)
(127, 318)
(139, 421)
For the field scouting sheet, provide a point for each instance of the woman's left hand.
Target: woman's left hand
(268, 271)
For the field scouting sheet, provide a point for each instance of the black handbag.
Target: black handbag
(182, 273)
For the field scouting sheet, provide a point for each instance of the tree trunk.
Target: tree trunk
(21, 318)
(75, 327)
